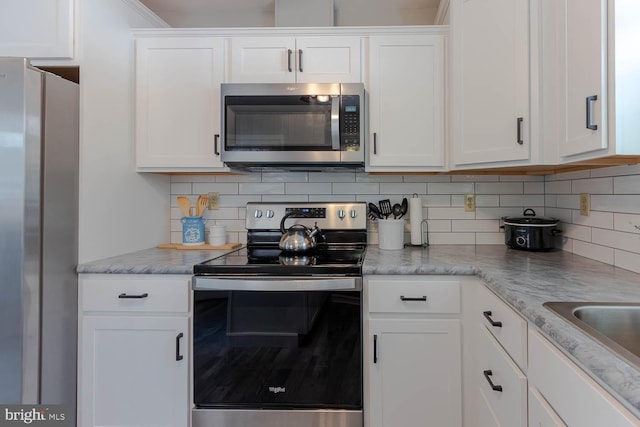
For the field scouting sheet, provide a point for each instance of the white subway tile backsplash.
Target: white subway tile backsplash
(449, 213)
(627, 260)
(500, 188)
(356, 188)
(450, 188)
(534, 188)
(594, 219)
(404, 189)
(522, 200)
(616, 203)
(217, 187)
(611, 233)
(628, 223)
(307, 188)
(180, 188)
(617, 240)
(597, 252)
(626, 184)
(593, 186)
(475, 225)
(557, 187)
(261, 188)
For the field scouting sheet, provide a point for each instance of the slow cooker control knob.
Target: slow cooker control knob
(521, 241)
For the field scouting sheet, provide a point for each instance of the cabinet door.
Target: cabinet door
(129, 373)
(263, 60)
(328, 60)
(406, 102)
(540, 413)
(584, 59)
(491, 116)
(37, 28)
(178, 103)
(415, 373)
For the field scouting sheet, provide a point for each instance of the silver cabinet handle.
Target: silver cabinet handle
(519, 130)
(590, 101)
(289, 60)
(300, 60)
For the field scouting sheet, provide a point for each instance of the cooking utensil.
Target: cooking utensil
(385, 207)
(297, 238)
(530, 232)
(201, 204)
(405, 207)
(397, 210)
(185, 205)
(374, 212)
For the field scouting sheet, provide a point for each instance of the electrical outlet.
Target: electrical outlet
(214, 201)
(469, 202)
(585, 204)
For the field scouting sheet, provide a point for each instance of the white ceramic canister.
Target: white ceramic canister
(217, 235)
(390, 234)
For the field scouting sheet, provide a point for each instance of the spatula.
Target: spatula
(385, 207)
(185, 205)
(201, 204)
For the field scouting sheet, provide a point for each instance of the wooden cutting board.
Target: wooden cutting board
(181, 247)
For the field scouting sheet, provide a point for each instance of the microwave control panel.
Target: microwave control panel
(350, 123)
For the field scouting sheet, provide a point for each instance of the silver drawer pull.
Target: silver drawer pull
(403, 298)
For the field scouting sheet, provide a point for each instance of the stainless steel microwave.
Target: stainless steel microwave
(293, 126)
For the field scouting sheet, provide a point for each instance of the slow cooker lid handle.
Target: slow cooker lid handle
(529, 212)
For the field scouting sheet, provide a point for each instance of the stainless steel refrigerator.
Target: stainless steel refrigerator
(38, 236)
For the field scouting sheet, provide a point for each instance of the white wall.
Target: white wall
(120, 210)
(611, 231)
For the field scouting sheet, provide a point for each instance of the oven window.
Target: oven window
(277, 349)
(277, 123)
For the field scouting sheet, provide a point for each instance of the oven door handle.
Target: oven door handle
(274, 284)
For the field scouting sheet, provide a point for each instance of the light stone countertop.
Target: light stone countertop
(525, 280)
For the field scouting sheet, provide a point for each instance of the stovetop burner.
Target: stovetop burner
(340, 251)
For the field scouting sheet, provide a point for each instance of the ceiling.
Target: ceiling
(260, 13)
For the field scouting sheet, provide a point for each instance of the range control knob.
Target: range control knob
(341, 213)
(521, 241)
(353, 213)
(270, 213)
(258, 213)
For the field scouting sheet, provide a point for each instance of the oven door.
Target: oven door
(291, 346)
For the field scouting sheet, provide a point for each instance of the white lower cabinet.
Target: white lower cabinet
(133, 351)
(570, 393)
(540, 413)
(412, 359)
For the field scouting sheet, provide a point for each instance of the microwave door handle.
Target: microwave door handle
(335, 123)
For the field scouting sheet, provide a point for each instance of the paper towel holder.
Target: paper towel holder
(424, 231)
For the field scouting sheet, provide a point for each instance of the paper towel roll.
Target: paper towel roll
(415, 220)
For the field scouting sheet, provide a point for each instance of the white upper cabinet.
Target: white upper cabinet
(178, 103)
(327, 59)
(590, 78)
(492, 82)
(37, 28)
(406, 103)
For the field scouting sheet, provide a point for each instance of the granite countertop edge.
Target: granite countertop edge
(522, 279)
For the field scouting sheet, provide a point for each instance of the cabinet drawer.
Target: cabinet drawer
(508, 327)
(508, 406)
(408, 294)
(135, 294)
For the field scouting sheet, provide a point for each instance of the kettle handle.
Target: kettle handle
(287, 215)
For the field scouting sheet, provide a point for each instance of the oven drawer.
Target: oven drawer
(140, 293)
(413, 294)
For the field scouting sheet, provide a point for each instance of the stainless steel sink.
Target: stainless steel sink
(615, 325)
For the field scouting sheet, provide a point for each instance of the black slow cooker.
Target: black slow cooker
(530, 232)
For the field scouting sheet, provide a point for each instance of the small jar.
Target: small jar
(217, 235)
(193, 230)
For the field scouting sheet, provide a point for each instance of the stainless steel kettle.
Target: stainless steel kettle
(297, 238)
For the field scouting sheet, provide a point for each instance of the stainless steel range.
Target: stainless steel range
(278, 333)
